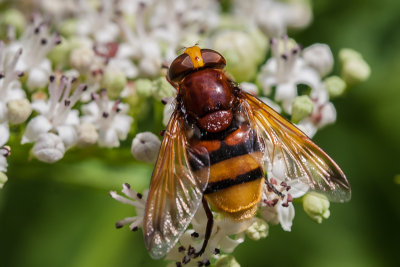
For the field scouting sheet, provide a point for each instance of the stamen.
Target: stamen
(6, 151)
(186, 259)
(195, 235)
(191, 250)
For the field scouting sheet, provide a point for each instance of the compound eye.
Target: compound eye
(180, 67)
(212, 59)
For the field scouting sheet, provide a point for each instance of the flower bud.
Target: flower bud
(301, 108)
(3, 179)
(59, 54)
(81, 59)
(87, 134)
(49, 148)
(14, 18)
(241, 53)
(68, 27)
(19, 110)
(259, 229)
(114, 81)
(316, 206)
(163, 89)
(335, 86)
(319, 57)
(145, 147)
(144, 87)
(227, 261)
(347, 54)
(355, 71)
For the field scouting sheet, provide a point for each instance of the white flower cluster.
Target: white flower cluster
(91, 79)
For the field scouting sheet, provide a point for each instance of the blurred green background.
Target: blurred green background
(55, 215)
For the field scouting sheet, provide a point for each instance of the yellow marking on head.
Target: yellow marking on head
(195, 55)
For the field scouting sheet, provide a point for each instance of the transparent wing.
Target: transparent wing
(302, 159)
(175, 191)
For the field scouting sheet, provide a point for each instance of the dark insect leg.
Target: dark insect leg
(273, 188)
(209, 227)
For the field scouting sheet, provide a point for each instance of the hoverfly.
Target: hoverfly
(213, 152)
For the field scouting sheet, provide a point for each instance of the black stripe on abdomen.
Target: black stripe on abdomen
(240, 179)
(229, 151)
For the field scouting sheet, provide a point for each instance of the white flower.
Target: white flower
(5, 151)
(38, 75)
(274, 17)
(109, 118)
(286, 70)
(324, 113)
(278, 194)
(250, 88)
(10, 87)
(4, 131)
(36, 42)
(135, 199)
(56, 114)
(226, 235)
(161, 27)
(319, 56)
(97, 22)
(49, 148)
(145, 147)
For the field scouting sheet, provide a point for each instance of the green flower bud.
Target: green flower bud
(114, 81)
(227, 261)
(301, 108)
(19, 110)
(163, 89)
(397, 179)
(59, 55)
(259, 229)
(3, 179)
(316, 206)
(242, 51)
(346, 54)
(144, 87)
(14, 18)
(335, 86)
(68, 27)
(355, 71)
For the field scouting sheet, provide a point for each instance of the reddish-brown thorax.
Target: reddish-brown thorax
(207, 97)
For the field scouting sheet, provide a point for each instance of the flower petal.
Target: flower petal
(285, 216)
(38, 125)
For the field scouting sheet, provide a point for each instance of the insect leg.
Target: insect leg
(273, 188)
(209, 227)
